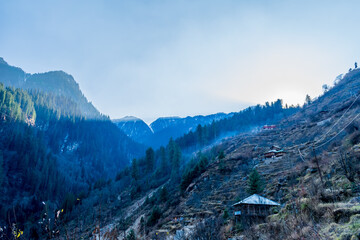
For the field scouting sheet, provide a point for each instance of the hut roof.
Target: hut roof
(257, 200)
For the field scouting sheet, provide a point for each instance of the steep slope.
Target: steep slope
(312, 182)
(327, 127)
(55, 82)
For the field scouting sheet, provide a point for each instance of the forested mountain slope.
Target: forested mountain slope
(49, 152)
(54, 82)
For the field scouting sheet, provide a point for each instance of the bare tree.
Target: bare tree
(209, 229)
(350, 165)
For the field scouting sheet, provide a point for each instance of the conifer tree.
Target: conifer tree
(163, 161)
(174, 157)
(307, 99)
(255, 183)
(150, 159)
(134, 169)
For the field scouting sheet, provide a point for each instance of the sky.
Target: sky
(157, 58)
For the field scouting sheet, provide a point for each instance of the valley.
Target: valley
(68, 172)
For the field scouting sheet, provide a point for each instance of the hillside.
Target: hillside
(54, 82)
(186, 189)
(316, 181)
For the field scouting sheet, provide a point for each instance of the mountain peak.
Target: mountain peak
(127, 119)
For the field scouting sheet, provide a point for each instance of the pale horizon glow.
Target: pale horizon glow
(153, 59)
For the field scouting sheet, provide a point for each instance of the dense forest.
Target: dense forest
(251, 118)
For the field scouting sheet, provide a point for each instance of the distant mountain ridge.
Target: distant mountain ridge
(54, 82)
(134, 127)
(162, 129)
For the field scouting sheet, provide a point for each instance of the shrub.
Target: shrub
(208, 229)
(163, 194)
(193, 173)
(131, 235)
(154, 217)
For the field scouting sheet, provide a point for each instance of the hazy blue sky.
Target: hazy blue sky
(161, 58)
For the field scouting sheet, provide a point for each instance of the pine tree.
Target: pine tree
(307, 99)
(221, 157)
(176, 162)
(134, 169)
(150, 159)
(255, 183)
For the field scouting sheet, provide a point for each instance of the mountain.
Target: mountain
(135, 128)
(54, 82)
(167, 195)
(174, 127)
(186, 124)
(164, 128)
(51, 150)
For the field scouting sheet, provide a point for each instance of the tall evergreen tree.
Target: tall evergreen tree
(150, 159)
(307, 99)
(163, 161)
(174, 158)
(255, 183)
(134, 169)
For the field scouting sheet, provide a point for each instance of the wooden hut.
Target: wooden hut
(254, 208)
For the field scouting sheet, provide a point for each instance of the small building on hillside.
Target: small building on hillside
(253, 209)
(275, 151)
(269, 127)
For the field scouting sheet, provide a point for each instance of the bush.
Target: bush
(154, 217)
(193, 173)
(208, 229)
(163, 194)
(226, 214)
(68, 203)
(135, 191)
(131, 235)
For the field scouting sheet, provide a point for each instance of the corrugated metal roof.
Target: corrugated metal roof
(257, 199)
